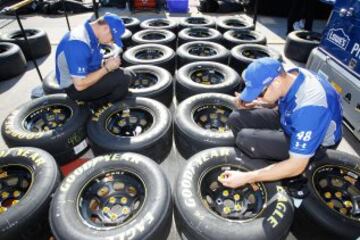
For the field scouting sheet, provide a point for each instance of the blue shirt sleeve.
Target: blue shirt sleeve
(77, 56)
(309, 126)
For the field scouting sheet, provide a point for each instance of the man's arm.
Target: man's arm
(81, 84)
(284, 169)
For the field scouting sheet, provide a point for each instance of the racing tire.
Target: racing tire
(199, 34)
(131, 23)
(198, 21)
(38, 40)
(201, 51)
(150, 54)
(113, 128)
(160, 36)
(151, 82)
(50, 84)
(13, 62)
(299, 45)
(224, 24)
(34, 171)
(144, 186)
(160, 23)
(215, 77)
(196, 129)
(54, 123)
(233, 38)
(243, 55)
(197, 216)
(332, 174)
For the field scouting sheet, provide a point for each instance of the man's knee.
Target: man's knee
(235, 121)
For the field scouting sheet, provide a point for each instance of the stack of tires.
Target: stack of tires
(15, 51)
(122, 193)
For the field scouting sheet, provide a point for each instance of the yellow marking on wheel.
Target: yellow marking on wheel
(348, 204)
(123, 200)
(15, 202)
(330, 205)
(343, 211)
(227, 210)
(237, 207)
(223, 119)
(338, 194)
(213, 116)
(3, 209)
(122, 122)
(103, 191)
(203, 118)
(327, 195)
(125, 211)
(5, 195)
(16, 194)
(113, 216)
(112, 200)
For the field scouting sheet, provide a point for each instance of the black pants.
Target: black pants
(258, 134)
(112, 87)
(301, 9)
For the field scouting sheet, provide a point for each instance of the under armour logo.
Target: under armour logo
(81, 70)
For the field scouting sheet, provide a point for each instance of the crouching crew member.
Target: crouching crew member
(80, 67)
(283, 115)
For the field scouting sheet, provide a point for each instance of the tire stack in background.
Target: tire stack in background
(122, 193)
(15, 51)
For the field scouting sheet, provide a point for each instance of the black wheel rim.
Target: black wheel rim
(3, 49)
(199, 33)
(196, 21)
(154, 36)
(202, 51)
(129, 122)
(143, 80)
(106, 49)
(47, 118)
(244, 36)
(158, 23)
(15, 182)
(207, 76)
(20, 35)
(212, 117)
(254, 53)
(149, 54)
(240, 204)
(235, 23)
(127, 20)
(338, 188)
(111, 199)
(310, 36)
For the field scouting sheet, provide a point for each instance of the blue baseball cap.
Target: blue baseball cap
(258, 75)
(117, 27)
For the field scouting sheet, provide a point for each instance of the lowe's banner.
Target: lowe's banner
(341, 37)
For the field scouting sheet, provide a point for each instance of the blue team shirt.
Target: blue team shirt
(78, 54)
(311, 114)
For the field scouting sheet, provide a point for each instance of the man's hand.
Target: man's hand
(257, 103)
(234, 179)
(241, 104)
(112, 63)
